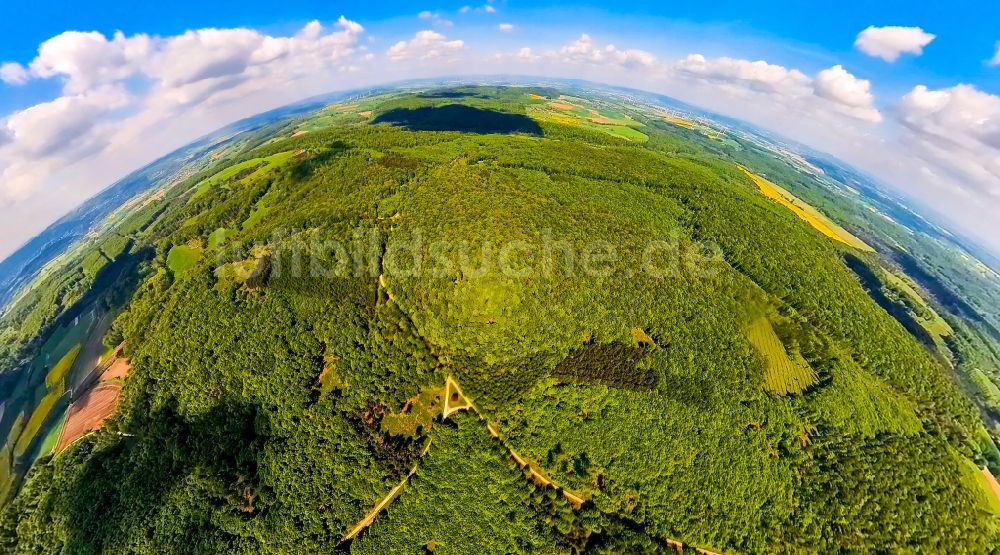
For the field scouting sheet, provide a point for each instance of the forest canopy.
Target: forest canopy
(775, 392)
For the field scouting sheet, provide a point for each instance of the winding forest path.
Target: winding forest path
(456, 401)
(370, 517)
(454, 396)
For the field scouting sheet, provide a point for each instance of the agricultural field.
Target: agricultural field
(37, 419)
(88, 412)
(91, 353)
(64, 339)
(7, 452)
(334, 114)
(118, 370)
(580, 112)
(701, 127)
(680, 121)
(805, 212)
(57, 375)
(992, 487)
(40, 397)
(43, 385)
(48, 443)
(7, 475)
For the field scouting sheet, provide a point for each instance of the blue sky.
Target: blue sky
(93, 107)
(782, 31)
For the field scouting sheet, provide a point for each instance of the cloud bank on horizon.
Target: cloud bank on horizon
(125, 100)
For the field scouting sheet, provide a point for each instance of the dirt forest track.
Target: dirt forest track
(87, 413)
(370, 517)
(455, 401)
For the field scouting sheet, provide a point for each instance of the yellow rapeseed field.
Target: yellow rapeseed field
(806, 212)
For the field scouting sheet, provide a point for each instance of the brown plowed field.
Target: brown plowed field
(89, 412)
(118, 369)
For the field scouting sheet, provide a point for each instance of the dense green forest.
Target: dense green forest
(284, 300)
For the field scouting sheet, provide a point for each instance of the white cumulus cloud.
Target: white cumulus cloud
(64, 122)
(506, 27)
(585, 49)
(890, 42)
(485, 8)
(833, 91)
(128, 99)
(51, 134)
(213, 53)
(86, 60)
(958, 129)
(425, 45)
(13, 73)
(756, 75)
(837, 85)
(526, 54)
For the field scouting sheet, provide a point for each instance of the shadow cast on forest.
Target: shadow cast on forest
(873, 286)
(457, 117)
(122, 485)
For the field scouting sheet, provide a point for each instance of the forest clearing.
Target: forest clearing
(182, 258)
(782, 375)
(417, 414)
(456, 401)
